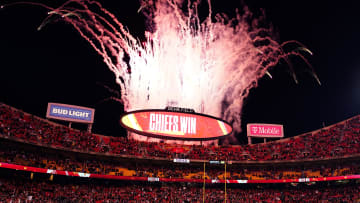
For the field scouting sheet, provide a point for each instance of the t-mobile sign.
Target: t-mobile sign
(264, 130)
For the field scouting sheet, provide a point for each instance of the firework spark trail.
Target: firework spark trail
(208, 65)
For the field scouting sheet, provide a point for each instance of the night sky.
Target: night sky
(57, 65)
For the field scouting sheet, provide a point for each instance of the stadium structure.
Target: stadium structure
(44, 161)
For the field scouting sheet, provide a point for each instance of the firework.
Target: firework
(207, 65)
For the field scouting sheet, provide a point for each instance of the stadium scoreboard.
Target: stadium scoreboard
(175, 123)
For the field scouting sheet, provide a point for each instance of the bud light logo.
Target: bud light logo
(70, 113)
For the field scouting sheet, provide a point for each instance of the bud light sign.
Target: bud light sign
(70, 113)
(265, 130)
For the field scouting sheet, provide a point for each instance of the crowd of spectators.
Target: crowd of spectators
(339, 140)
(32, 141)
(22, 188)
(41, 157)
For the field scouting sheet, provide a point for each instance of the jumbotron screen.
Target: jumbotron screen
(175, 125)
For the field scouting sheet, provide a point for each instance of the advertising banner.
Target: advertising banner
(70, 113)
(265, 130)
(157, 179)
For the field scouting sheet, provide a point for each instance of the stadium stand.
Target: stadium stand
(30, 141)
(339, 140)
(29, 155)
(24, 187)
